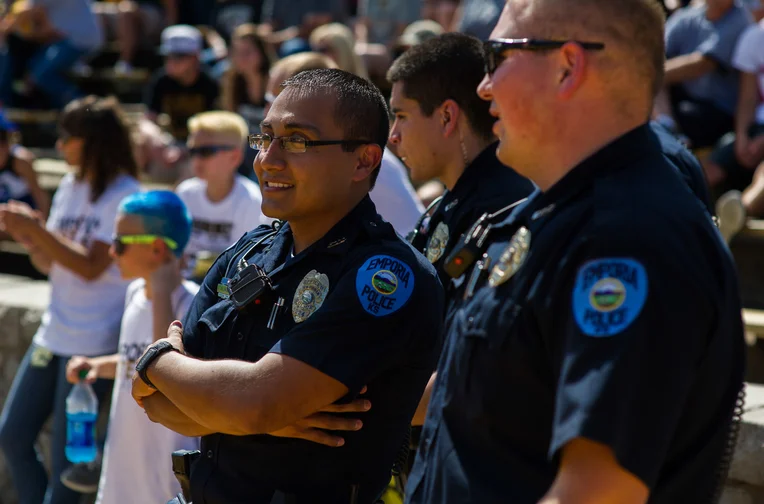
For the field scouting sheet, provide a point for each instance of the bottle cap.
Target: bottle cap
(83, 373)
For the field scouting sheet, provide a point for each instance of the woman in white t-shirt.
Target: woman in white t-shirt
(87, 292)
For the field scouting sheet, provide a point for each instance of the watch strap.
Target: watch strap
(150, 356)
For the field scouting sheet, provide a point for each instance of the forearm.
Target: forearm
(171, 11)
(65, 252)
(688, 67)
(161, 410)
(362, 31)
(163, 314)
(41, 262)
(42, 200)
(748, 100)
(106, 366)
(215, 394)
(424, 403)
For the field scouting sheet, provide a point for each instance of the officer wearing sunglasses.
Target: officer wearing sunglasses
(598, 355)
(294, 321)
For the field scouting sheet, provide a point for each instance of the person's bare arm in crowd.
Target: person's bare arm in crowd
(421, 411)
(688, 67)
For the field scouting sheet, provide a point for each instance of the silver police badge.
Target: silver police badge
(512, 258)
(310, 295)
(436, 247)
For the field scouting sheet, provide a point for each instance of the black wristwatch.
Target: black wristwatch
(150, 356)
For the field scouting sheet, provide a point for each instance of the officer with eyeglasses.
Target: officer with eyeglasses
(598, 356)
(294, 321)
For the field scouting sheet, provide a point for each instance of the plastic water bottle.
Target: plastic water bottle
(81, 413)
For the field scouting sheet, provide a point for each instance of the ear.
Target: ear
(237, 156)
(449, 113)
(572, 66)
(369, 157)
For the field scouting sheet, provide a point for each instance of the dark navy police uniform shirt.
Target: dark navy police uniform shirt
(685, 163)
(485, 187)
(621, 325)
(360, 305)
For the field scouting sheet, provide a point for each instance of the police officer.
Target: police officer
(599, 357)
(294, 319)
(442, 130)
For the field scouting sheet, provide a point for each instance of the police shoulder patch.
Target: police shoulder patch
(384, 284)
(608, 295)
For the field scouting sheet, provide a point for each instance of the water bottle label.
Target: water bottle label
(80, 433)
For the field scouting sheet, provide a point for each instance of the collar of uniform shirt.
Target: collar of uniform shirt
(620, 153)
(484, 162)
(344, 233)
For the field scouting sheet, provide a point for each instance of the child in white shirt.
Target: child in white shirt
(223, 204)
(152, 230)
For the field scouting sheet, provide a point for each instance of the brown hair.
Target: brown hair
(300, 62)
(631, 29)
(107, 150)
(234, 86)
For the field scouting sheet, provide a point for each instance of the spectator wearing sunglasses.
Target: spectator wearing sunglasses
(182, 88)
(151, 232)
(599, 354)
(223, 204)
(87, 293)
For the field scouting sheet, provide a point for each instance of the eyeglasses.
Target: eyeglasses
(119, 242)
(206, 151)
(493, 50)
(295, 144)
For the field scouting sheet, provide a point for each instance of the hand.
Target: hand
(77, 364)
(141, 390)
(167, 277)
(19, 219)
(313, 428)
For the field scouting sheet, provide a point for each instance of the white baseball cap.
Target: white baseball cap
(181, 39)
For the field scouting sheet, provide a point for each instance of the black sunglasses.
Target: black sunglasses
(206, 151)
(493, 50)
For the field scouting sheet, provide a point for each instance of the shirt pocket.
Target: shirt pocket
(486, 340)
(216, 326)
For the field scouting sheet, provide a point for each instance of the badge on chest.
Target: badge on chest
(512, 258)
(436, 247)
(310, 295)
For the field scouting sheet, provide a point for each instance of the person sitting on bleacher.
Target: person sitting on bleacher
(182, 88)
(49, 36)
(152, 229)
(18, 180)
(739, 160)
(223, 204)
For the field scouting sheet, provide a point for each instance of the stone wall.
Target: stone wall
(21, 305)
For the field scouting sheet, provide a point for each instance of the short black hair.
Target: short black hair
(449, 66)
(360, 108)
